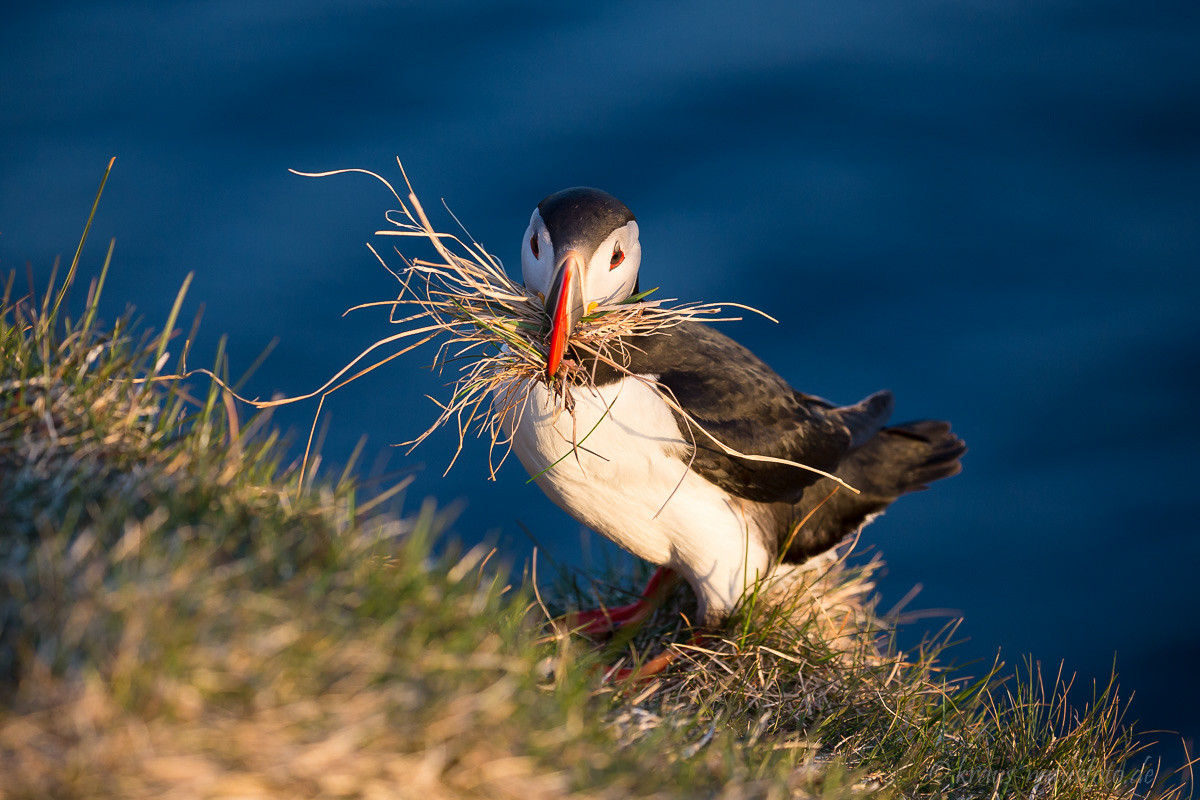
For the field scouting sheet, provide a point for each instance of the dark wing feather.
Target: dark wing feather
(747, 406)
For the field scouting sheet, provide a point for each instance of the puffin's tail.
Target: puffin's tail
(897, 460)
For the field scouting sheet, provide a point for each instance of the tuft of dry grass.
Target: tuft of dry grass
(496, 331)
(493, 335)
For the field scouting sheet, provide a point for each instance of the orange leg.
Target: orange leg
(650, 668)
(607, 620)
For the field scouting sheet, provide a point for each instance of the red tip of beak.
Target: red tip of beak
(559, 324)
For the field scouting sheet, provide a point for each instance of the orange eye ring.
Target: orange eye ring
(617, 257)
(533, 245)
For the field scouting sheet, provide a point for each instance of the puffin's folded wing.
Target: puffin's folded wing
(746, 406)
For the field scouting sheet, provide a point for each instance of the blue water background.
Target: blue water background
(992, 209)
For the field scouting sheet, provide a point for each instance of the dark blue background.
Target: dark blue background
(991, 209)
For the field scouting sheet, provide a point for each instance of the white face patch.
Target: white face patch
(602, 281)
(537, 269)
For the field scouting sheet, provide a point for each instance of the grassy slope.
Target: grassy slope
(178, 616)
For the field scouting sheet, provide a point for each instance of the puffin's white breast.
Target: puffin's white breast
(619, 466)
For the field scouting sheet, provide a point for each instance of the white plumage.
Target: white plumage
(628, 479)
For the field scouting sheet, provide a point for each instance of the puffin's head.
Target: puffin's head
(581, 250)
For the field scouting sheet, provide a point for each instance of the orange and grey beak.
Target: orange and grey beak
(565, 307)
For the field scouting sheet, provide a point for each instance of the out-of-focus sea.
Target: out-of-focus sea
(991, 209)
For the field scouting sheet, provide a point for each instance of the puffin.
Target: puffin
(627, 464)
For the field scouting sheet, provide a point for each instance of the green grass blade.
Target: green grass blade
(169, 328)
(66, 284)
(94, 303)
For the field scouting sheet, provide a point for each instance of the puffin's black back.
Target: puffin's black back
(735, 396)
(747, 406)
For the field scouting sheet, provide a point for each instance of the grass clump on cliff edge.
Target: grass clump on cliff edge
(178, 615)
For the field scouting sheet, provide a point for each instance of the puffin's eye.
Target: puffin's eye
(617, 257)
(533, 245)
